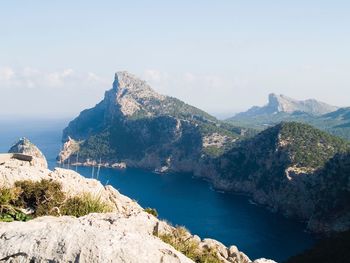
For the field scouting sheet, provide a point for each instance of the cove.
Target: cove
(232, 219)
(183, 200)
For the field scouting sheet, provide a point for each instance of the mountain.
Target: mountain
(293, 169)
(341, 115)
(281, 108)
(135, 125)
(283, 167)
(281, 103)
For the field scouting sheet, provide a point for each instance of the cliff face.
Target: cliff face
(136, 125)
(291, 168)
(127, 234)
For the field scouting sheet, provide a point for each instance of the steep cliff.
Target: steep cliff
(294, 169)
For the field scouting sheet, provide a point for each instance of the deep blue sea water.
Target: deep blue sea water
(182, 200)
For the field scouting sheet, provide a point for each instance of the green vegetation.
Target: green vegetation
(180, 239)
(333, 193)
(264, 158)
(44, 198)
(214, 151)
(310, 147)
(300, 170)
(96, 147)
(151, 211)
(82, 205)
(8, 212)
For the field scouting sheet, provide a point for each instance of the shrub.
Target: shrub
(8, 195)
(85, 204)
(181, 240)
(8, 212)
(151, 211)
(45, 197)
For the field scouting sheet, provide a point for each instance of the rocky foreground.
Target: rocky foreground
(127, 234)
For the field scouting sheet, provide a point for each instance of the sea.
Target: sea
(180, 199)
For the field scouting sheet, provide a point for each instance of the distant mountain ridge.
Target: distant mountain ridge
(282, 103)
(280, 108)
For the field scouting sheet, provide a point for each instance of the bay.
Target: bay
(181, 199)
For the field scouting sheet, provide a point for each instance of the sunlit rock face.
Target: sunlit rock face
(24, 146)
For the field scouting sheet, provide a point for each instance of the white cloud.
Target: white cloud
(60, 92)
(38, 79)
(6, 73)
(155, 76)
(210, 92)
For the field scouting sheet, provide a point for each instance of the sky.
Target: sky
(58, 57)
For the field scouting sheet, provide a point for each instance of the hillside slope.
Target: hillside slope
(292, 168)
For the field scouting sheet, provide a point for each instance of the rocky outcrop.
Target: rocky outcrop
(281, 103)
(93, 238)
(133, 94)
(24, 146)
(72, 183)
(70, 147)
(128, 234)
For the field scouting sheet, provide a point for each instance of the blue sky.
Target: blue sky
(58, 57)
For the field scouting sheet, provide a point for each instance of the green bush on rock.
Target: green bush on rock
(28, 199)
(83, 205)
(44, 197)
(151, 211)
(181, 240)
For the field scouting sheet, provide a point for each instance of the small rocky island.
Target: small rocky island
(121, 232)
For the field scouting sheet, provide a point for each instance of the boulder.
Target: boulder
(24, 146)
(108, 237)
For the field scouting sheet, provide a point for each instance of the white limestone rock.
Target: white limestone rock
(133, 94)
(93, 238)
(24, 146)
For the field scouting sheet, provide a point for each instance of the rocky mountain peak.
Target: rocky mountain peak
(281, 103)
(132, 93)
